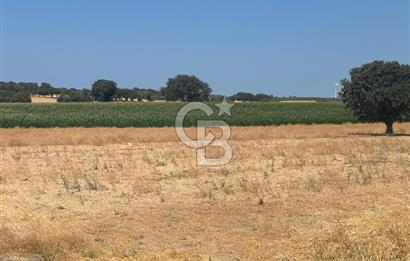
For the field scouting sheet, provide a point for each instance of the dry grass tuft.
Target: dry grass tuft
(375, 238)
(48, 242)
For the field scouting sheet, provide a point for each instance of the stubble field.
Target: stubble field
(295, 192)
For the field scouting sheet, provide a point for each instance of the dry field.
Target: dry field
(325, 192)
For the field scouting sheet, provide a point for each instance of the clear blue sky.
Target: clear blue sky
(279, 47)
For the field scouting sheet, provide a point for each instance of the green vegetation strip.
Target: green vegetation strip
(163, 114)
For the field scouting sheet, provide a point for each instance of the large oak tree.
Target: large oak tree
(186, 88)
(103, 90)
(379, 92)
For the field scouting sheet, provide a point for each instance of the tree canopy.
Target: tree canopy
(378, 92)
(186, 88)
(103, 90)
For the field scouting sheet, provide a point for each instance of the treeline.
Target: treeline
(120, 94)
(261, 97)
(22, 92)
(245, 96)
(179, 88)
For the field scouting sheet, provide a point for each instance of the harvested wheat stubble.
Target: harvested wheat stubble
(101, 136)
(290, 193)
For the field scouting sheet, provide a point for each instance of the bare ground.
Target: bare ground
(290, 193)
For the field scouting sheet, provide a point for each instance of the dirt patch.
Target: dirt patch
(41, 99)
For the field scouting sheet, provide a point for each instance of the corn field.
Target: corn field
(163, 114)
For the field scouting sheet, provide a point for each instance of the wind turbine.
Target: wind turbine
(336, 87)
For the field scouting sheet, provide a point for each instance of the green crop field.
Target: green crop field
(163, 114)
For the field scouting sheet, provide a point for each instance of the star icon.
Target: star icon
(224, 107)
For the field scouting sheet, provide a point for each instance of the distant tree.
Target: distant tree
(116, 96)
(45, 89)
(379, 91)
(243, 96)
(216, 98)
(186, 88)
(122, 94)
(141, 94)
(21, 96)
(5, 95)
(153, 95)
(19, 87)
(263, 97)
(103, 90)
(16, 92)
(135, 95)
(149, 94)
(74, 95)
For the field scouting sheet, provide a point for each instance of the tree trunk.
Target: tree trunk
(389, 128)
